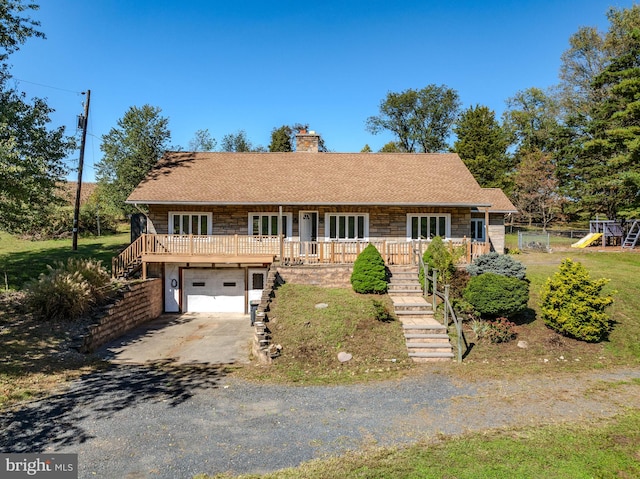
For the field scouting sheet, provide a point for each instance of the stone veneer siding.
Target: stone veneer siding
(328, 276)
(141, 302)
(388, 222)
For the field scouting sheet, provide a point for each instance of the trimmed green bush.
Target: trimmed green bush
(572, 303)
(69, 290)
(369, 272)
(493, 295)
(439, 257)
(501, 264)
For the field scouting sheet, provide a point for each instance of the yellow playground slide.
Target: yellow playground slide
(587, 240)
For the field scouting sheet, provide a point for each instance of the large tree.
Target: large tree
(31, 153)
(580, 64)
(482, 144)
(536, 188)
(611, 162)
(130, 150)
(238, 143)
(598, 163)
(202, 141)
(281, 139)
(421, 120)
(532, 117)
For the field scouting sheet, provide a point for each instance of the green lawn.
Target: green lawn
(547, 352)
(622, 268)
(311, 338)
(34, 361)
(606, 448)
(22, 260)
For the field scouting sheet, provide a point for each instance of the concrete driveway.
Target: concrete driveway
(213, 338)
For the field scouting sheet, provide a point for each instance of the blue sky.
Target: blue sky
(256, 65)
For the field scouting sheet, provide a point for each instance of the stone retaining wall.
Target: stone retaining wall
(329, 276)
(140, 302)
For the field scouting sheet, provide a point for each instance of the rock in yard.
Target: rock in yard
(344, 357)
(523, 344)
(322, 305)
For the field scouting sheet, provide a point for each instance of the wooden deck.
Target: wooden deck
(164, 248)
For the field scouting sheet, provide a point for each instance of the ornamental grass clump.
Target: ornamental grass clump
(69, 290)
(369, 272)
(572, 303)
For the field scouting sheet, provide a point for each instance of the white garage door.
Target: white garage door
(213, 290)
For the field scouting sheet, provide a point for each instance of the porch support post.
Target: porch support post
(280, 234)
(486, 227)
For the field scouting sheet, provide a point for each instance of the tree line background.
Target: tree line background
(565, 153)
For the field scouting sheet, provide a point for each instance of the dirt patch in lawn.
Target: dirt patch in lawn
(36, 355)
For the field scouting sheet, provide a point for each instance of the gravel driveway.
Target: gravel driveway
(163, 421)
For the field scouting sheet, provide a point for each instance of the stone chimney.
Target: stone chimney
(307, 142)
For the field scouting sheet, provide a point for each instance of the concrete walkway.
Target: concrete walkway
(201, 338)
(417, 303)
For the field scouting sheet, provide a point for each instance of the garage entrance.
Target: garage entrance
(213, 290)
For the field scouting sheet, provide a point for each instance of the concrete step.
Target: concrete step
(405, 292)
(413, 345)
(437, 336)
(394, 286)
(417, 304)
(433, 355)
(403, 269)
(413, 312)
(424, 329)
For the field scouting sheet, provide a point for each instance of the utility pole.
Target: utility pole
(83, 121)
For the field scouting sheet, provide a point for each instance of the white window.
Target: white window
(428, 226)
(477, 229)
(266, 224)
(346, 226)
(185, 223)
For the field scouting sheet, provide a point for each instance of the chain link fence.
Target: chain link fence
(530, 241)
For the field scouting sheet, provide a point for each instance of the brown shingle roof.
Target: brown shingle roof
(310, 179)
(499, 201)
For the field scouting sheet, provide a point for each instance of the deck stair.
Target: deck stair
(427, 340)
(632, 236)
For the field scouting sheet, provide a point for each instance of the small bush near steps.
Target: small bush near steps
(499, 331)
(572, 303)
(369, 272)
(493, 295)
(438, 256)
(69, 290)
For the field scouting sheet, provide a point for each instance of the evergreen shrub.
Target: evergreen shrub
(501, 264)
(572, 304)
(369, 272)
(493, 295)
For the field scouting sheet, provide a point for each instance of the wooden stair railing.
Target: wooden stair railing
(129, 259)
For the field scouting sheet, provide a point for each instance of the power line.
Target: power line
(48, 86)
